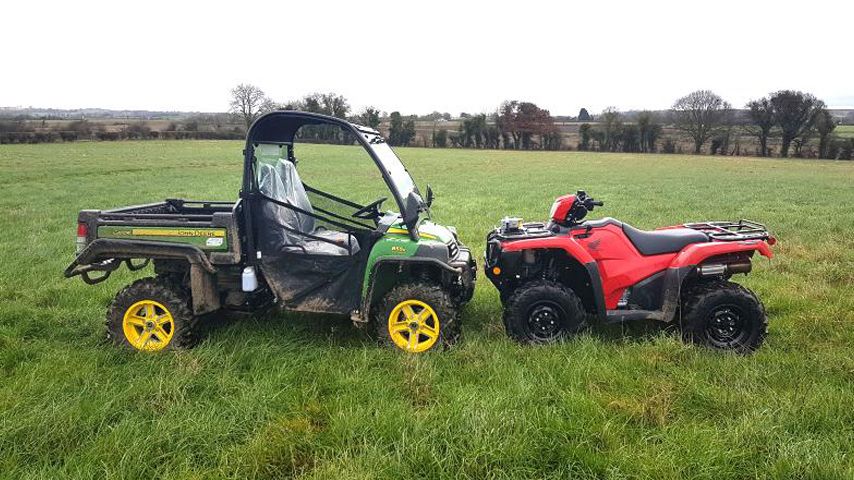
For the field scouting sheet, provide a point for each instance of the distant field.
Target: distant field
(845, 130)
(312, 397)
(741, 143)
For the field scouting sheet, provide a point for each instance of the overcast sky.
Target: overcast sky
(417, 57)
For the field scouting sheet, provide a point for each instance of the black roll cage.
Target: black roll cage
(280, 128)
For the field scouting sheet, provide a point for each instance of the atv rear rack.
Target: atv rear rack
(732, 231)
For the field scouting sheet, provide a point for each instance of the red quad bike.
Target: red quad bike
(555, 277)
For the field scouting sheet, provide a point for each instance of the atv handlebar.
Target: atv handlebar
(588, 202)
(580, 207)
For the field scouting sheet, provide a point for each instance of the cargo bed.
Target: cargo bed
(205, 230)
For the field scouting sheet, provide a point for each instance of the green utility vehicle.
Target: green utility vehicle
(286, 244)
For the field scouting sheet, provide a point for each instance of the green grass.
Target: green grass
(315, 398)
(844, 130)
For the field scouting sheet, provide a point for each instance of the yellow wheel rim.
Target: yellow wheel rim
(148, 326)
(413, 326)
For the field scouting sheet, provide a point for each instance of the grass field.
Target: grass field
(845, 130)
(315, 398)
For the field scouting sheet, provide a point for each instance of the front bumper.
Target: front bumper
(502, 268)
(467, 265)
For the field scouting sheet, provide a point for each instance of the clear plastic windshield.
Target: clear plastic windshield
(400, 177)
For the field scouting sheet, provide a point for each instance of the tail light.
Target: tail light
(82, 233)
(772, 240)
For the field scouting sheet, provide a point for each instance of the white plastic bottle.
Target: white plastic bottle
(248, 280)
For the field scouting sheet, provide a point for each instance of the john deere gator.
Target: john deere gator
(282, 243)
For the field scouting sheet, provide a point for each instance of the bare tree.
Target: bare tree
(248, 102)
(795, 113)
(700, 114)
(761, 113)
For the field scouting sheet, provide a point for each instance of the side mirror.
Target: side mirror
(413, 205)
(429, 196)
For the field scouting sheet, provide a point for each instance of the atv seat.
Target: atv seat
(669, 240)
(285, 229)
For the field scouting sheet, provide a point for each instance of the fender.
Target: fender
(107, 248)
(368, 292)
(688, 259)
(567, 244)
(572, 248)
(694, 254)
(202, 283)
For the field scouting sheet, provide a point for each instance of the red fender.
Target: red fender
(695, 253)
(574, 250)
(565, 243)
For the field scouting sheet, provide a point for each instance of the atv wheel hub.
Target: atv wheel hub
(725, 326)
(544, 321)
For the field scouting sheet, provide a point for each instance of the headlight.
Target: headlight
(553, 210)
(453, 250)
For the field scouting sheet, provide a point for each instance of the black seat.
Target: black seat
(663, 241)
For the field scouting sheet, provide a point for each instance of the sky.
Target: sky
(417, 57)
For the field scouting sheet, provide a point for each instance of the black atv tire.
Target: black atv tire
(431, 294)
(543, 312)
(504, 296)
(164, 291)
(723, 315)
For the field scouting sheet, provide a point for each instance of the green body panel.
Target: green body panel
(428, 229)
(209, 239)
(397, 243)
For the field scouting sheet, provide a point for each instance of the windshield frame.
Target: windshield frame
(410, 201)
(280, 126)
(389, 162)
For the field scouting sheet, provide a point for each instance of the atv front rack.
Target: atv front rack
(732, 231)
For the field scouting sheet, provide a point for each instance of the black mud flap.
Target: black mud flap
(316, 283)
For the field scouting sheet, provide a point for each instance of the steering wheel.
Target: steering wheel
(371, 210)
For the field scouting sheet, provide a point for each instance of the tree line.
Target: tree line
(707, 121)
(516, 125)
(200, 127)
(792, 116)
(783, 123)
